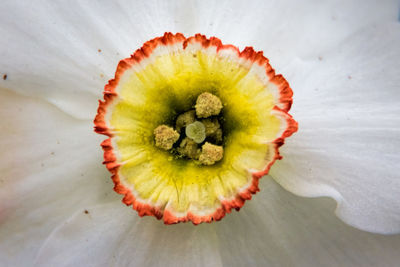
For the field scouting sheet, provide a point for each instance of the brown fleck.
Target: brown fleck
(99, 50)
(86, 212)
(5, 77)
(101, 75)
(52, 153)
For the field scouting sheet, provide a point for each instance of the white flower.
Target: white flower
(342, 60)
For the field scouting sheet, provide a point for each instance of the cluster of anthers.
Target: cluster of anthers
(199, 127)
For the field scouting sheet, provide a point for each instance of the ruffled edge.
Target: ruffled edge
(284, 102)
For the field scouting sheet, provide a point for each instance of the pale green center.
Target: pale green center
(196, 131)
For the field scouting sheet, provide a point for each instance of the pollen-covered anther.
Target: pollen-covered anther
(213, 129)
(210, 154)
(185, 119)
(207, 105)
(165, 137)
(189, 148)
(196, 131)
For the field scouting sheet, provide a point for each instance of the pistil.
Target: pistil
(196, 131)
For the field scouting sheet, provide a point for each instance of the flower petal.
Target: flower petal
(68, 53)
(348, 143)
(49, 169)
(63, 52)
(286, 29)
(112, 235)
(279, 229)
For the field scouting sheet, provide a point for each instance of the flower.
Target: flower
(57, 206)
(161, 83)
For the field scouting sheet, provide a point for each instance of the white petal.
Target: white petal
(348, 144)
(275, 229)
(113, 235)
(50, 49)
(286, 29)
(50, 167)
(280, 229)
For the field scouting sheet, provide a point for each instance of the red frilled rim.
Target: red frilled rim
(110, 159)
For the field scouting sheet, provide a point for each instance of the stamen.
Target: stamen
(210, 154)
(185, 119)
(189, 148)
(208, 105)
(165, 136)
(196, 131)
(213, 129)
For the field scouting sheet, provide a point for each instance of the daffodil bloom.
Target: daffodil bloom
(57, 204)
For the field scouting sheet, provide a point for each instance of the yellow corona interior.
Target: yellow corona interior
(169, 86)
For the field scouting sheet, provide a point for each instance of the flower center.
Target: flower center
(201, 139)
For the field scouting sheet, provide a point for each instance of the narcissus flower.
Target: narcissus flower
(163, 81)
(57, 204)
